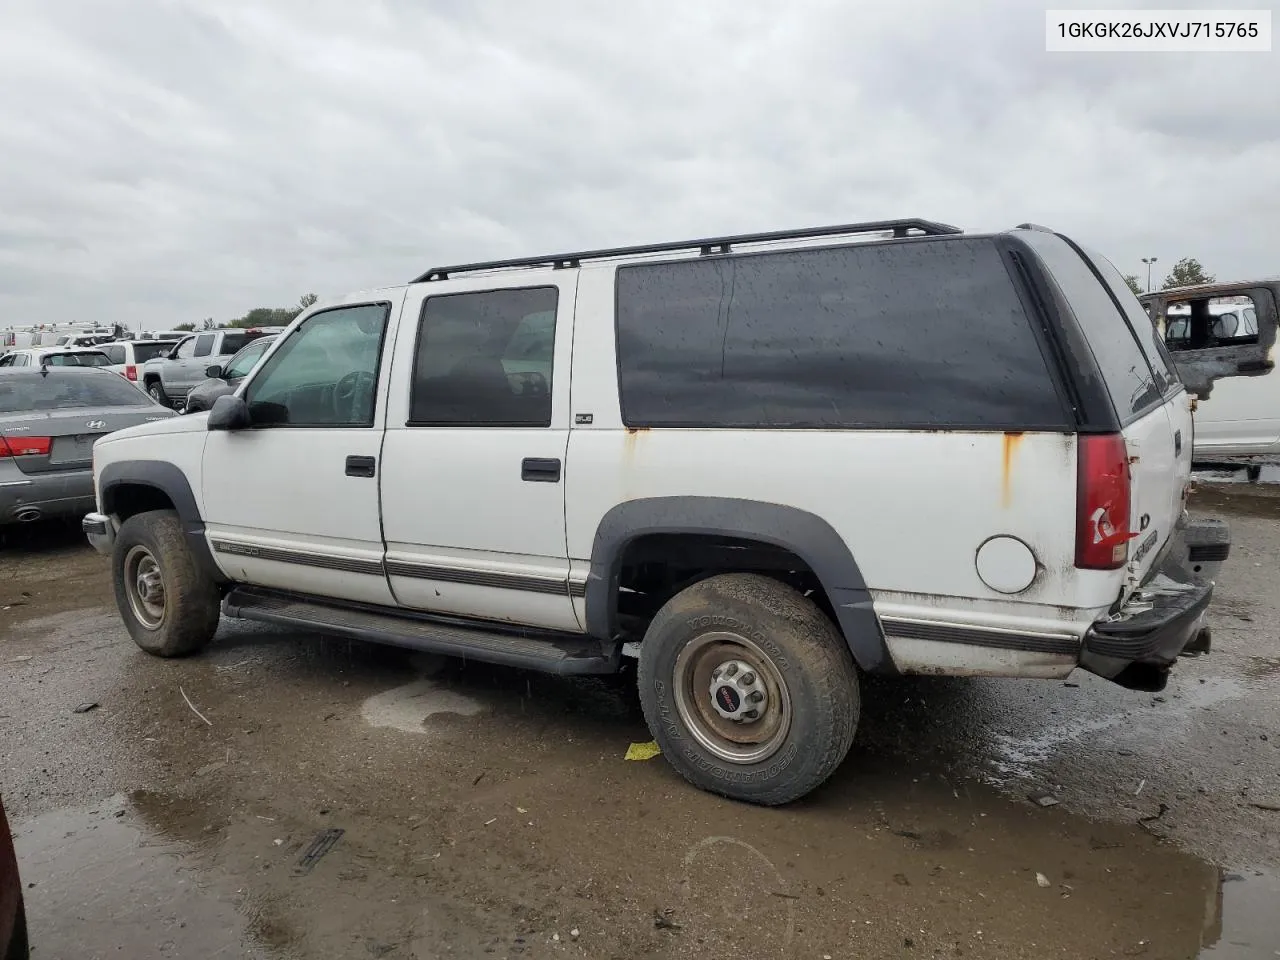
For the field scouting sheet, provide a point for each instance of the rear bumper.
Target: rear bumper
(1164, 620)
(35, 496)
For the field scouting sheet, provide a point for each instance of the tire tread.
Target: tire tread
(819, 653)
(192, 599)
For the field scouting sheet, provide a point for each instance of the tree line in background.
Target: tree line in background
(1187, 272)
(257, 317)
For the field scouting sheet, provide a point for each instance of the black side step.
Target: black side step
(528, 649)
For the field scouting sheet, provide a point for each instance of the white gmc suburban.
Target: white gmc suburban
(761, 465)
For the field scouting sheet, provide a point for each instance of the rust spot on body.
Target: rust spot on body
(630, 439)
(1011, 442)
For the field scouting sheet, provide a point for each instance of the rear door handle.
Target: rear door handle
(361, 466)
(540, 470)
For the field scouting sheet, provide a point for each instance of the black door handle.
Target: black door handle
(1177, 442)
(540, 470)
(361, 466)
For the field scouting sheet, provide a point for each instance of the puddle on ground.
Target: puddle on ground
(1241, 923)
(407, 708)
(99, 884)
(132, 877)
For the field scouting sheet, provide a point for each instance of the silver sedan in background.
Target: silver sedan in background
(49, 420)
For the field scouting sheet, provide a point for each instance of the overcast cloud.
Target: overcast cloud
(162, 162)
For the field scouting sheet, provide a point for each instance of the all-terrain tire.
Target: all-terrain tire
(152, 545)
(806, 651)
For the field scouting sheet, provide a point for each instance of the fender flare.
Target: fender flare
(168, 479)
(806, 535)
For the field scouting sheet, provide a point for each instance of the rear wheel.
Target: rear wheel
(169, 606)
(748, 688)
(155, 390)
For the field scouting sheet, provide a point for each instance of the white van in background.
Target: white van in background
(1237, 416)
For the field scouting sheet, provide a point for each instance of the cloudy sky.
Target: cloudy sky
(166, 160)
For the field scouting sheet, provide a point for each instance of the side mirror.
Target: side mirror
(213, 372)
(229, 413)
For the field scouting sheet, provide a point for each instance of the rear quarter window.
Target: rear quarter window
(1134, 386)
(1139, 321)
(142, 352)
(888, 335)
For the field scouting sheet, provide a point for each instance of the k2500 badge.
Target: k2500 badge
(1146, 546)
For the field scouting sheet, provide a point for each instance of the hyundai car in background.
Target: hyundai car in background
(50, 419)
(225, 378)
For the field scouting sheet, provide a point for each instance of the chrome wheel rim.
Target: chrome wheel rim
(720, 680)
(144, 585)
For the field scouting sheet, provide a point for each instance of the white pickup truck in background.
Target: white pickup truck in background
(169, 378)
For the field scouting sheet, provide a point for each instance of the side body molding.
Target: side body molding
(806, 535)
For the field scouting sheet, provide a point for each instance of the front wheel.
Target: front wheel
(749, 689)
(169, 606)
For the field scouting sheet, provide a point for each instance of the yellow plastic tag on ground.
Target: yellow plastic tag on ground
(643, 751)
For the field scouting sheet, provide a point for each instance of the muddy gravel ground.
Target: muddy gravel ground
(284, 795)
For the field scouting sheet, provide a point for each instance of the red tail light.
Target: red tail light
(131, 373)
(25, 446)
(1102, 503)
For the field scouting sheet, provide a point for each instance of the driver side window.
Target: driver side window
(186, 349)
(325, 374)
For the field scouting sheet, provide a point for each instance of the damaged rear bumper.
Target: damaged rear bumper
(1164, 620)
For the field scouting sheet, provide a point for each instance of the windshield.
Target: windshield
(28, 392)
(143, 352)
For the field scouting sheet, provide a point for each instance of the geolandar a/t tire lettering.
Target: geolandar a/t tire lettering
(748, 688)
(168, 605)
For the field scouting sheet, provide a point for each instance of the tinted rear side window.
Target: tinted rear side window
(1133, 386)
(232, 342)
(142, 352)
(484, 359)
(876, 335)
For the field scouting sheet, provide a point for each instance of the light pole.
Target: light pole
(1149, 261)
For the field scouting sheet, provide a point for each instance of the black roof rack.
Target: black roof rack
(706, 247)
